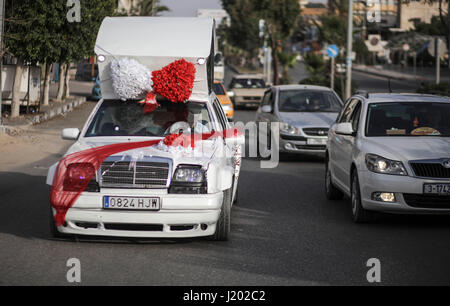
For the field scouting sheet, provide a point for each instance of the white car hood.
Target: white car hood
(202, 155)
(308, 119)
(408, 148)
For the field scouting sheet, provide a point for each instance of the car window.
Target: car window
(308, 101)
(408, 119)
(355, 117)
(346, 114)
(220, 114)
(248, 83)
(127, 118)
(218, 89)
(267, 100)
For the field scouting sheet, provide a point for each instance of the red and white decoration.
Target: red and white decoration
(132, 80)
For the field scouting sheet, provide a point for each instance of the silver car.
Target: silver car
(391, 153)
(305, 113)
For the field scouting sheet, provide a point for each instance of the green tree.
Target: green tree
(151, 8)
(280, 20)
(31, 35)
(79, 37)
(287, 61)
(243, 32)
(333, 29)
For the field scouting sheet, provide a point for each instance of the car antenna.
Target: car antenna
(389, 85)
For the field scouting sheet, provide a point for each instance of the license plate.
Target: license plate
(316, 141)
(131, 203)
(439, 189)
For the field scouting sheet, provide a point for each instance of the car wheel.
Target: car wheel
(360, 215)
(224, 223)
(331, 192)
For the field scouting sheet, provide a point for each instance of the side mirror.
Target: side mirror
(70, 134)
(230, 94)
(344, 128)
(266, 109)
(218, 58)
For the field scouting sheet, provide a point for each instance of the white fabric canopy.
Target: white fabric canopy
(155, 42)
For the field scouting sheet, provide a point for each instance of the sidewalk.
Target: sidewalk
(79, 91)
(404, 74)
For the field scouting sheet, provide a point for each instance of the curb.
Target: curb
(49, 114)
(384, 75)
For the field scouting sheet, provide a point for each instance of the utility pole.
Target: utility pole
(348, 60)
(2, 23)
(153, 8)
(438, 60)
(332, 73)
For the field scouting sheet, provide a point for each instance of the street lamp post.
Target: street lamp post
(348, 60)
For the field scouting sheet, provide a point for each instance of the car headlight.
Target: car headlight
(188, 179)
(288, 129)
(227, 107)
(383, 165)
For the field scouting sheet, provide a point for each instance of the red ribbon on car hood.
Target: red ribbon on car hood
(76, 170)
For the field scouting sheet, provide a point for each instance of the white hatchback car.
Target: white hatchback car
(391, 153)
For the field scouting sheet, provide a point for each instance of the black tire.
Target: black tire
(359, 213)
(332, 193)
(223, 226)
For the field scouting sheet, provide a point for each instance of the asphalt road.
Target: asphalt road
(284, 232)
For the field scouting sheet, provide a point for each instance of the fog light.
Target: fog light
(384, 197)
(288, 146)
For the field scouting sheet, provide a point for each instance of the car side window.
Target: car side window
(220, 114)
(348, 111)
(354, 119)
(267, 98)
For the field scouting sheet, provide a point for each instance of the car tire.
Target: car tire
(359, 213)
(223, 226)
(332, 193)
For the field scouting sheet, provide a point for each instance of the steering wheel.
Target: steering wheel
(178, 127)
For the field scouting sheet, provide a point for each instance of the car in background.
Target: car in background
(247, 90)
(224, 100)
(305, 113)
(391, 153)
(84, 72)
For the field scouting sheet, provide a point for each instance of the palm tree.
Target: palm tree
(151, 8)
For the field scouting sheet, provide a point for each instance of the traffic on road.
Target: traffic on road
(205, 166)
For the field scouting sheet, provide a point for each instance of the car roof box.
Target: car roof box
(156, 42)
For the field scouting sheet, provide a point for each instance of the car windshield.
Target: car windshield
(248, 83)
(218, 89)
(408, 119)
(308, 101)
(127, 118)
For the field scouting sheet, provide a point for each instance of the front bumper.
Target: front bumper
(299, 144)
(404, 188)
(247, 101)
(180, 216)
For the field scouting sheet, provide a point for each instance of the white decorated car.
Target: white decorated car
(159, 190)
